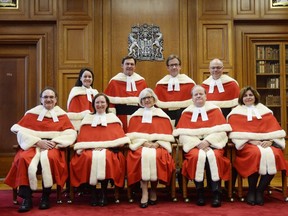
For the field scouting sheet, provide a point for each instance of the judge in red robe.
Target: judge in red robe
(174, 90)
(259, 140)
(202, 130)
(123, 90)
(80, 97)
(221, 89)
(98, 156)
(149, 159)
(42, 134)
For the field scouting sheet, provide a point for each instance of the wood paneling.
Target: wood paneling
(44, 9)
(214, 9)
(215, 41)
(117, 22)
(246, 9)
(75, 9)
(75, 44)
(67, 79)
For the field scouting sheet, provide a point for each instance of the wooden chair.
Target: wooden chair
(270, 188)
(39, 172)
(185, 180)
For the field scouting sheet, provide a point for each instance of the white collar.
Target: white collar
(173, 81)
(43, 113)
(250, 110)
(99, 119)
(219, 85)
(197, 111)
(130, 82)
(147, 115)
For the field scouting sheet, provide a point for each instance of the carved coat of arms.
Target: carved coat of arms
(146, 43)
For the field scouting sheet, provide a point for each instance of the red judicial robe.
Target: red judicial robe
(53, 162)
(251, 158)
(214, 130)
(161, 166)
(174, 99)
(226, 99)
(123, 102)
(78, 104)
(89, 165)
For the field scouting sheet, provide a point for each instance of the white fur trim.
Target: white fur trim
(148, 164)
(213, 165)
(102, 144)
(226, 103)
(217, 140)
(76, 118)
(224, 79)
(46, 169)
(110, 118)
(32, 169)
(183, 79)
(79, 90)
(267, 161)
(98, 166)
(200, 166)
(188, 142)
(174, 104)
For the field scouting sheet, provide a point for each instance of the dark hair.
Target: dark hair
(170, 57)
(107, 101)
(243, 92)
(79, 82)
(49, 88)
(128, 57)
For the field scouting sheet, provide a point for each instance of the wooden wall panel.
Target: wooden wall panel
(75, 44)
(220, 9)
(75, 9)
(43, 9)
(67, 79)
(117, 22)
(246, 9)
(215, 41)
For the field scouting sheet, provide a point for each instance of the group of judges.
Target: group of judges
(199, 117)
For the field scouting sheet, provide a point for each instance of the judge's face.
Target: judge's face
(199, 96)
(100, 104)
(129, 67)
(174, 67)
(148, 101)
(216, 69)
(48, 99)
(86, 79)
(249, 98)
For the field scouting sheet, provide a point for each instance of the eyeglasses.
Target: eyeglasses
(173, 65)
(48, 97)
(148, 97)
(216, 67)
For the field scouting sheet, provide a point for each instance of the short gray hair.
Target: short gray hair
(144, 92)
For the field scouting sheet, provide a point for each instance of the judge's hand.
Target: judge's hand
(204, 145)
(46, 144)
(151, 144)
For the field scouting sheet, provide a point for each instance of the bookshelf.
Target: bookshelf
(271, 76)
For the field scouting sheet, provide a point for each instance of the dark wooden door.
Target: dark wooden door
(17, 86)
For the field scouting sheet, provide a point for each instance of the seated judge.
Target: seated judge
(202, 130)
(43, 134)
(98, 157)
(149, 159)
(259, 140)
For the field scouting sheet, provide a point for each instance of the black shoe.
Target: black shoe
(103, 200)
(152, 202)
(216, 201)
(94, 202)
(250, 198)
(26, 205)
(200, 198)
(44, 203)
(259, 200)
(144, 205)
